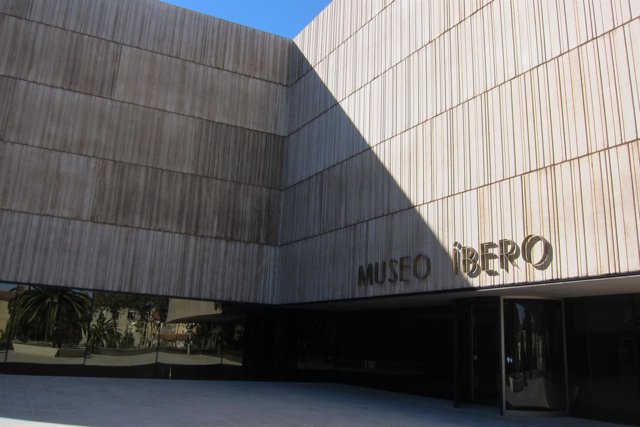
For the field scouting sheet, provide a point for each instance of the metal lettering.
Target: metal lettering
(528, 245)
(457, 248)
(470, 262)
(404, 268)
(380, 274)
(486, 256)
(394, 272)
(509, 252)
(365, 277)
(416, 267)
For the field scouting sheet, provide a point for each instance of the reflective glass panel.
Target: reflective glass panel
(534, 355)
(7, 292)
(124, 329)
(199, 333)
(603, 345)
(48, 325)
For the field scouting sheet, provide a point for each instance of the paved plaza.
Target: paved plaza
(33, 400)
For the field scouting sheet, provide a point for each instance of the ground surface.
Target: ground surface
(31, 400)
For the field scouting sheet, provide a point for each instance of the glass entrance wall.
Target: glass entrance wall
(603, 346)
(534, 356)
(408, 351)
(477, 376)
(485, 354)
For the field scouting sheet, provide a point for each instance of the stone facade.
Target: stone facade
(146, 148)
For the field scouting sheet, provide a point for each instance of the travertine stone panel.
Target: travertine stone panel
(239, 154)
(150, 198)
(7, 87)
(586, 207)
(173, 31)
(72, 186)
(46, 182)
(513, 117)
(63, 252)
(484, 50)
(173, 85)
(97, 127)
(21, 8)
(326, 33)
(587, 104)
(58, 58)
(148, 131)
(392, 35)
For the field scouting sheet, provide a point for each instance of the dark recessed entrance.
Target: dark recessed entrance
(477, 355)
(534, 356)
(485, 353)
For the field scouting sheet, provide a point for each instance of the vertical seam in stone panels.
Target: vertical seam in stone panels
(614, 263)
(634, 193)
(594, 199)
(116, 73)
(629, 55)
(540, 19)
(601, 91)
(3, 128)
(615, 76)
(576, 217)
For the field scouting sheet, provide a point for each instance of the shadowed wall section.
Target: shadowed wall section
(140, 149)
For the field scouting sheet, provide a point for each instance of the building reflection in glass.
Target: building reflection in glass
(47, 325)
(534, 355)
(113, 333)
(124, 329)
(200, 333)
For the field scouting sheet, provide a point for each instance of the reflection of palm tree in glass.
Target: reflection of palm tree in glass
(49, 314)
(103, 333)
(218, 338)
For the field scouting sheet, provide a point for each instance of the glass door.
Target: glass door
(485, 354)
(534, 356)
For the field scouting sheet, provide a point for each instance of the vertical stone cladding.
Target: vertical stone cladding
(140, 149)
(416, 124)
(146, 148)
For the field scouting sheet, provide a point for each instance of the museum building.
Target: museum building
(432, 197)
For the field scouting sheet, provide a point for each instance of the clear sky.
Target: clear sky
(283, 17)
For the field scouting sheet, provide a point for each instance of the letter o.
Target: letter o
(416, 265)
(529, 243)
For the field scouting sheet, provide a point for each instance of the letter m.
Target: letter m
(365, 277)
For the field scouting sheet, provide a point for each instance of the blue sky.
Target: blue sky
(283, 17)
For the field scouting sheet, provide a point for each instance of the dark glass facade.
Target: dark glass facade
(52, 330)
(603, 341)
(579, 356)
(535, 374)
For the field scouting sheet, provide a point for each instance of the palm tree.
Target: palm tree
(42, 312)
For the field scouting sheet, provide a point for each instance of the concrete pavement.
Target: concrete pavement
(31, 400)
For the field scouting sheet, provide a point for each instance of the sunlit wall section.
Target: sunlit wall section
(438, 127)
